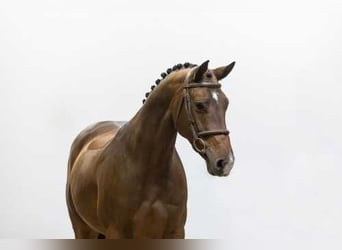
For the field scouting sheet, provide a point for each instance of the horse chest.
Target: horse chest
(156, 219)
(153, 208)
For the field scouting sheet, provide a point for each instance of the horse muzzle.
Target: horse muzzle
(219, 166)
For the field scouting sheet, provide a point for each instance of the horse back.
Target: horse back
(92, 137)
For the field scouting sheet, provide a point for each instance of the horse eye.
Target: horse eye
(201, 106)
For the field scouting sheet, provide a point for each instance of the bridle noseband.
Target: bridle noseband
(198, 143)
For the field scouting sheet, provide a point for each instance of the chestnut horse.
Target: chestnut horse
(128, 181)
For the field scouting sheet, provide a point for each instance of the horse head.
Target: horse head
(199, 115)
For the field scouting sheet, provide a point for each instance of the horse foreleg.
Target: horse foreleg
(112, 232)
(177, 234)
(150, 221)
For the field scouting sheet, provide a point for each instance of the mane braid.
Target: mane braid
(165, 74)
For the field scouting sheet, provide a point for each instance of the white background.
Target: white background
(67, 64)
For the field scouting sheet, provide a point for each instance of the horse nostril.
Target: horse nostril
(221, 164)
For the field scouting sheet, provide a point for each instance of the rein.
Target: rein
(198, 143)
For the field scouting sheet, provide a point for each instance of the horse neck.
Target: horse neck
(152, 131)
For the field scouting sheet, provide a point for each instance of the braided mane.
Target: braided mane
(166, 73)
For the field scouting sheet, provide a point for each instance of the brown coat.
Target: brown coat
(128, 181)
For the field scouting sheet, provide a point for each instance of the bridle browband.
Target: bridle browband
(198, 143)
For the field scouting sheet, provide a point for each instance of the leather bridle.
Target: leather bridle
(198, 143)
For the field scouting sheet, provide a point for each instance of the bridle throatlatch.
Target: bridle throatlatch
(198, 142)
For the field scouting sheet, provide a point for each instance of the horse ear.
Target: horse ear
(197, 73)
(222, 72)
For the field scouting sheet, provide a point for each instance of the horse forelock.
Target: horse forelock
(176, 73)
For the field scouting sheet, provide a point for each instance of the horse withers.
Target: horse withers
(127, 180)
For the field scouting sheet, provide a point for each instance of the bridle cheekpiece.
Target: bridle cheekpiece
(198, 143)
